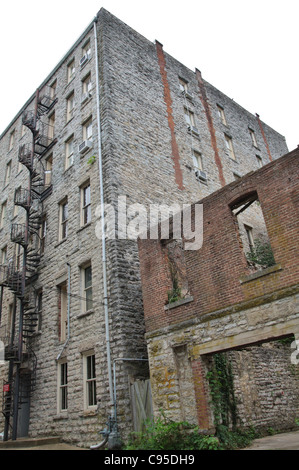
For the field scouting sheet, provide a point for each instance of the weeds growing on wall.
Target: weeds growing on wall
(261, 254)
(221, 384)
(224, 405)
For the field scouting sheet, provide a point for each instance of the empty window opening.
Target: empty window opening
(177, 269)
(253, 233)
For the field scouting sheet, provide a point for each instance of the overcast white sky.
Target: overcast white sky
(248, 50)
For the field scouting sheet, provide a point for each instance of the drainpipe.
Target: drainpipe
(111, 422)
(104, 261)
(68, 310)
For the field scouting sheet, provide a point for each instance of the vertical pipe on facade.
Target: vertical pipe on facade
(104, 261)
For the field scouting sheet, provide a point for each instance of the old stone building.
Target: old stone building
(121, 122)
(231, 306)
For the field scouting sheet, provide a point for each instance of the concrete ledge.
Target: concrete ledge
(183, 301)
(261, 273)
(29, 442)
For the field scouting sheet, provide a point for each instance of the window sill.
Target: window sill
(261, 273)
(84, 226)
(60, 242)
(87, 413)
(62, 415)
(183, 301)
(85, 314)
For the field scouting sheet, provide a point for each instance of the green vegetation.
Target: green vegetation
(164, 434)
(261, 254)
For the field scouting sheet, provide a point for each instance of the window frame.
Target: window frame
(85, 204)
(86, 290)
(70, 106)
(63, 220)
(197, 158)
(8, 173)
(69, 152)
(3, 214)
(62, 387)
(89, 381)
(221, 114)
(71, 70)
(230, 147)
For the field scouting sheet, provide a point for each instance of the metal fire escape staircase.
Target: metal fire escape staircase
(19, 351)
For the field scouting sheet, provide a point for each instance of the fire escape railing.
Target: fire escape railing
(18, 348)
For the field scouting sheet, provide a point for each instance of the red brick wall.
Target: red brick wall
(214, 271)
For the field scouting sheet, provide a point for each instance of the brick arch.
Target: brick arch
(248, 195)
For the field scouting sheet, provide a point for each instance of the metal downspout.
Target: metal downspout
(104, 261)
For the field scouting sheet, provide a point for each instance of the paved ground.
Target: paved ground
(285, 441)
(37, 444)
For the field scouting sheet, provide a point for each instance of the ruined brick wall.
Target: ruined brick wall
(217, 273)
(227, 306)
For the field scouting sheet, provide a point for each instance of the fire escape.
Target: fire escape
(20, 276)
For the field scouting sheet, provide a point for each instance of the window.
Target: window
(259, 161)
(252, 232)
(87, 130)
(62, 384)
(48, 171)
(42, 235)
(221, 114)
(69, 153)
(85, 204)
(86, 49)
(3, 214)
(51, 124)
(249, 233)
(71, 70)
(70, 107)
(87, 288)
(253, 137)
(15, 210)
(229, 146)
(4, 255)
(86, 85)
(39, 308)
(19, 252)
(62, 311)
(89, 370)
(7, 173)
(197, 160)
(183, 85)
(63, 219)
(53, 88)
(11, 140)
(189, 117)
